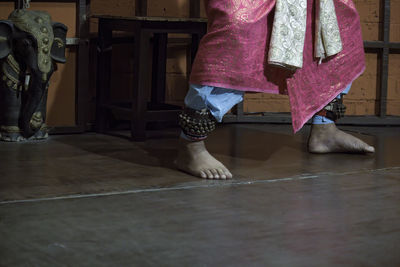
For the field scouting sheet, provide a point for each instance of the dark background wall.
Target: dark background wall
(362, 99)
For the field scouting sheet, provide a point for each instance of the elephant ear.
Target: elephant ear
(60, 41)
(6, 31)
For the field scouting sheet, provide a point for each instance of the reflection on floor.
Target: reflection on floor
(97, 200)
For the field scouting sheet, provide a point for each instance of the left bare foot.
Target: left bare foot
(326, 138)
(194, 159)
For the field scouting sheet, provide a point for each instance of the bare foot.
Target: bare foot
(326, 138)
(194, 159)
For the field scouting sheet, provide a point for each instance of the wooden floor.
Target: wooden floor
(97, 200)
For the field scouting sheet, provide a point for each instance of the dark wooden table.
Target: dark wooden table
(143, 28)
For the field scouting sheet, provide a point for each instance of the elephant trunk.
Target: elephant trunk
(29, 123)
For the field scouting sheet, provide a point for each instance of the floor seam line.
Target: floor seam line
(210, 185)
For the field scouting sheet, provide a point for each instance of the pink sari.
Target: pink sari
(234, 53)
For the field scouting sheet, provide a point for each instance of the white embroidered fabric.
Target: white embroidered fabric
(289, 29)
(328, 41)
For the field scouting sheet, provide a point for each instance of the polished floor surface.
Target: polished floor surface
(98, 200)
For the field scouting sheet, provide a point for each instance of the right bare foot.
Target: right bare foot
(194, 159)
(326, 138)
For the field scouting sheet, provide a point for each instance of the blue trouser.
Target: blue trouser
(220, 100)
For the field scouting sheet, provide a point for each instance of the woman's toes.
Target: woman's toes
(370, 149)
(228, 174)
(203, 174)
(209, 174)
(221, 173)
(215, 173)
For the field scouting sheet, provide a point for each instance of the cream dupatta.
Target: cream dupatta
(289, 28)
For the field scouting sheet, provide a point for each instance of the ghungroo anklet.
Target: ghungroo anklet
(197, 124)
(334, 110)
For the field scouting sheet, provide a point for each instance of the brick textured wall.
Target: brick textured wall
(363, 98)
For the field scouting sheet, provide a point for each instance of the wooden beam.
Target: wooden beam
(141, 8)
(82, 69)
(384, 59)
(285, 118)
(194, 9)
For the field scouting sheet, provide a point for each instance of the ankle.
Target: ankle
(324, 128)
(191, 145)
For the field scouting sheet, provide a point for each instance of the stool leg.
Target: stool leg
(103, 79)
(159, 68)
(141, 84)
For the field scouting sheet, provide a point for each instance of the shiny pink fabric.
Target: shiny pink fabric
(233, 54)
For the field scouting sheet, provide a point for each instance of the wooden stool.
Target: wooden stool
(143, 28)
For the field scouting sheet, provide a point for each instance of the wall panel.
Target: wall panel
(362, 99)
(395, 21)
(394, 85)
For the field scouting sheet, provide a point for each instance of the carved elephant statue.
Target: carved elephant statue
(30, 44)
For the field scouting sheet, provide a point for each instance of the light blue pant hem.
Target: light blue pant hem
(217, 100)
(220, 100)
(317, 119)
